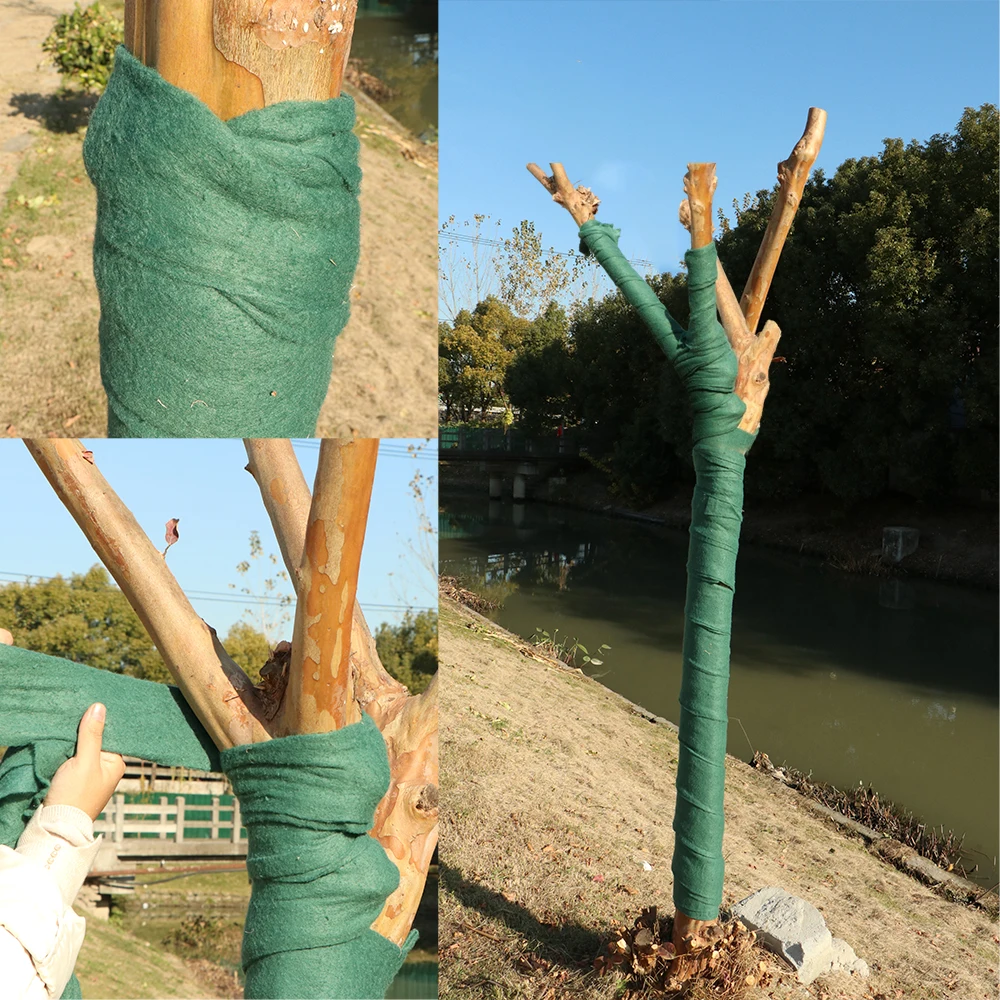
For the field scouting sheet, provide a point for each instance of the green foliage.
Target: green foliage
(409, 650)
(82, 45)
(887, 291)
(249, 648)
(566, 649)
(887, 375)
(86, 619)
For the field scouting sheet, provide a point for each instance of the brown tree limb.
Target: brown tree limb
(580, 201)
(287, 500)
(699, 186)
(792, 176)
(220, 694)
(406, 822)
(320, 694)
(239, 55)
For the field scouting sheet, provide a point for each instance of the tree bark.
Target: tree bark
(240, 55)
(792, 176)
(320, 693)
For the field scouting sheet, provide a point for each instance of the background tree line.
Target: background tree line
(887, 292)
(86, 618)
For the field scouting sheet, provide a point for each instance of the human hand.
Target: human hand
(88, 779)
(6, 638)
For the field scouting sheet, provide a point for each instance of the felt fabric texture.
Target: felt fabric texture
(224, 255)
(707, 367)
(318, 879)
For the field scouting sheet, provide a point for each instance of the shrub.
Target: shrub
(82, 45)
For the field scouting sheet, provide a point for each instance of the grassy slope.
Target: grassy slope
(555, 793)
(114, 964)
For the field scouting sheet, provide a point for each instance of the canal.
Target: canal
(857, 679)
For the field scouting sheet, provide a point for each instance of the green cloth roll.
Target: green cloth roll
(707, 366)
(224, 255)
(318, 879)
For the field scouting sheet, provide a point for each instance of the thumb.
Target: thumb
(91, 732)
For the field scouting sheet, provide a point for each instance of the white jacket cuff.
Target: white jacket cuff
(61, 840)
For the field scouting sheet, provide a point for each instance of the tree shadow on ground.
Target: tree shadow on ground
(550, 936)
(65, 112)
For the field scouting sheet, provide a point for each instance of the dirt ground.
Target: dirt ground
(556, 793)
(384, 379)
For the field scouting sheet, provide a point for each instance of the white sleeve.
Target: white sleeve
(40, 935)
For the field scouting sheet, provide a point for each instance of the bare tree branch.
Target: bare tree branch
(792, 176)
(220, 694)
(580, 202)
(320, 693)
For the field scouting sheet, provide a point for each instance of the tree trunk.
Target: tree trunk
(240, 55)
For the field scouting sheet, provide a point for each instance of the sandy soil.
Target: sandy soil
(555, 792)
(385, 370)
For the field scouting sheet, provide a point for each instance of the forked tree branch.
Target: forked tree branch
(792, 176)
(580, 201)
(287, 500)
(320, 693)
(220, 694)
(406, 820)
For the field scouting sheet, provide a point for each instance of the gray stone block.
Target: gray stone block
(899, 542)
(796, 930)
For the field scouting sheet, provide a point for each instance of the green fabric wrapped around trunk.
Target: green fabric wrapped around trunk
(706, 365)
(319, 881)
(224, 255)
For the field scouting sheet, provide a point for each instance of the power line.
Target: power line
(451, 237)
(386, 449)
(269, 600)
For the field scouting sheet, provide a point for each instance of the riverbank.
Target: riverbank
(557, 797)
(958, 543)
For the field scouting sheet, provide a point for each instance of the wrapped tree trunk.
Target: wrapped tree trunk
(725, 374)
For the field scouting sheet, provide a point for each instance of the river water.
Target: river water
(400, 48)
(853, 678)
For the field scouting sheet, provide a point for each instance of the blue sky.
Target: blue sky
(625, 94)
(205, 485)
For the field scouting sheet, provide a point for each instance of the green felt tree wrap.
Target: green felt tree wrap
(319, 881)
(224, 255)
(707, 367)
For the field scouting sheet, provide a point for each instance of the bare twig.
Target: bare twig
(220, 694)
(699, 186)
(320, 694)
(792, 176)
(580, 201)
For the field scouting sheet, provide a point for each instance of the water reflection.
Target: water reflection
(398, 43)
(828, 672)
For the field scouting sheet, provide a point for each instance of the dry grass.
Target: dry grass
(556, 792)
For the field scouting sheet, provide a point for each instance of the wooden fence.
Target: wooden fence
(148, 829)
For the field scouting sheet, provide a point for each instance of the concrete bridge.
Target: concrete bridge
(510, 455)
